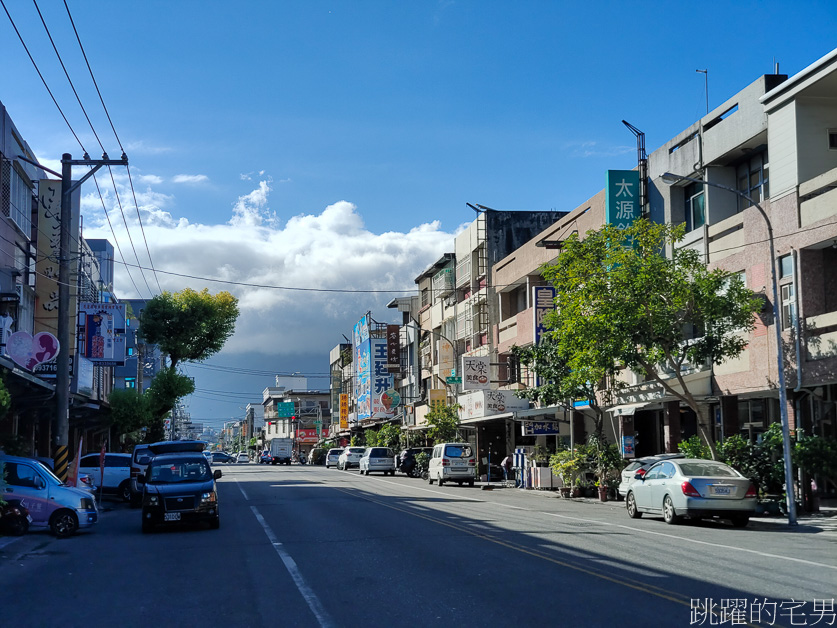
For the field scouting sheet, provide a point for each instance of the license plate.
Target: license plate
(720, 490)
(171, 516)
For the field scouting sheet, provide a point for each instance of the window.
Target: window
(695, 208)
(20, 206)
(752, 179)
(788, 306)
(832, 139)
(785, 266)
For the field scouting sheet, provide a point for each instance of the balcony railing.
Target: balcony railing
(463, 272)
(443, 282)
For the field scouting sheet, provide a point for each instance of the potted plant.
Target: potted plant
(565, 464)
(540, 455)
(605, 461)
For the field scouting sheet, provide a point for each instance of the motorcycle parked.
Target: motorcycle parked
(14, 518)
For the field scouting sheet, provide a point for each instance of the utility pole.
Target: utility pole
(62, 378)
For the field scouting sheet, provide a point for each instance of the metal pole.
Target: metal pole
(780, 354)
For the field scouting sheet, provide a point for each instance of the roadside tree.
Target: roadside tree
(631, 298)
(444, 423)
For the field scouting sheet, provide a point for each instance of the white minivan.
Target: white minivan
(452, 462)
(51, 503)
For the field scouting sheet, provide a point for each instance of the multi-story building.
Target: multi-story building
(293, 410)
(143, 361)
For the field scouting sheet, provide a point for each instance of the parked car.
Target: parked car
(143, 454)
(265, 458)
(691, 487)
(51, 503)
(179, 487)
(242, 457)
(117, 476)
(332, 457)
(452, 462)
(377, 459)
(221, 456)
(639, 466)
(350, 457)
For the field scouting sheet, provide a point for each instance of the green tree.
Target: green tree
(389, 436)
(188, 326)
(631, 298)
(371, 438)
(130, 411)
(444, 423)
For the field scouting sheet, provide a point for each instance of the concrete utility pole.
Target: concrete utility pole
(62, 378)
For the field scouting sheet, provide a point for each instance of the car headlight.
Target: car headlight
(88, 504)
(152, 500)
(208, 497)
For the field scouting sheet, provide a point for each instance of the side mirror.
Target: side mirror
(39, 482)
(639, 476)
(217, 474)
(141, 478)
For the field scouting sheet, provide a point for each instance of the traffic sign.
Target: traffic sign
(453, 380)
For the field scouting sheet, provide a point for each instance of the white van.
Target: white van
(452, 462)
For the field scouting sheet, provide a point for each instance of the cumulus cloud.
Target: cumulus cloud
(301, 281)
(189, 178)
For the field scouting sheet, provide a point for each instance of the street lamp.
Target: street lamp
(783, 398)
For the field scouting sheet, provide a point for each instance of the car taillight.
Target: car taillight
(751, 492)
(472, 462)
(689, 490)
(445, 462)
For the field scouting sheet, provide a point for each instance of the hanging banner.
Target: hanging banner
(447, 362)
(438, 397)
(476, 372)
(543, 298)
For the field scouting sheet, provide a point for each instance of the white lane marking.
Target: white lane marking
(8, 541)
(307, 593)
(618, 525)
(242, 490)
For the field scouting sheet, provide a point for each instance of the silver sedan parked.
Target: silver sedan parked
(693, 488)
(377, 459)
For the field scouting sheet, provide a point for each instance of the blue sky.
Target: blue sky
(334, 144)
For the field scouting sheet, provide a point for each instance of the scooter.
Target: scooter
(14, 518)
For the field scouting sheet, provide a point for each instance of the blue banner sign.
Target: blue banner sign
(544, 301)
(622, 198)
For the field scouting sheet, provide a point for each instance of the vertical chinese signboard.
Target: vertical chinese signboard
(446, 359)
(363, 366)
(544, 300)
(381, 403)
(438, 397)
(46, 265)
(622, 198)
(344, 411)
(393, 348)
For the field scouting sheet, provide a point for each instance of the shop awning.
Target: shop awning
(627, 409)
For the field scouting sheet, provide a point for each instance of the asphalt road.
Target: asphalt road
(306, 546)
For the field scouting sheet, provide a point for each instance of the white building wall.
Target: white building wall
(781, 137)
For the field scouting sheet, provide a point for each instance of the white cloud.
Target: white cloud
(189, 178)
(315, 256)
(144, 149)
(150, 179)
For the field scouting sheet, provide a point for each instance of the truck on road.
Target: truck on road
(281, 450)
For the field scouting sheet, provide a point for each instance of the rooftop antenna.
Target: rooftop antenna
(706, 86)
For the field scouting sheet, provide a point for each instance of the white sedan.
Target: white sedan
(242, 457)
(695, 488)
(350, 458)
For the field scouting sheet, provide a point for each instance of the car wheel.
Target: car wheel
(441, 481)
(18, 526)
(125, 491)
(215, 523)
(63, 523)
(669, 514)
(740, 521)
(630, 505)
(429, 479)
(471, 483)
